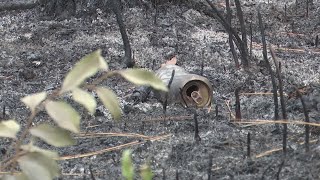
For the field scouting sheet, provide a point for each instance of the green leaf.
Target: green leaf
(20, 176)
(9, 128)
(146, 172)
(84, 98)
(64, 115)
(38, 167)
(127, 165)
(110, 101)
(85, 68)
(33, 100)
(143, 77)
(31, 148)
(53, 135)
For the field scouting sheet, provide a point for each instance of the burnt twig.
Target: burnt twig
(202, 64)
(307, 9)
(282, 102)
(216, 110)
(163, 174)
(251, 42)
(280, 168)
(233, 51)
(242, 24)
(248, 145)
(213, 12)
(296, 7)
(209, 168)
(165, 103)
(265, 57)
(285, 12)
(177, 174)
(239, 42)
(238, 109)
(4, 112)
(292, 27)
(307, 127)
(155, 5)
(196, 128)
(91, 173)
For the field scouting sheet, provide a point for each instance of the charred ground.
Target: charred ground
(37, 52)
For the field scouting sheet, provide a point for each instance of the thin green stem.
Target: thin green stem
(8, 160)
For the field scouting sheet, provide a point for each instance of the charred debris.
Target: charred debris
(194, 91)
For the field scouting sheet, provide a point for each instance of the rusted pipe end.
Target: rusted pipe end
(190, 90)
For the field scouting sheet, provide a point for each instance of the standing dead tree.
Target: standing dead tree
(233, 51)
(242, 23)
(212, 11)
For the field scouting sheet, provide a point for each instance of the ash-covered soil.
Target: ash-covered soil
(37, 52)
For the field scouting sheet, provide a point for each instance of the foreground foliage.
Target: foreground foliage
(128, 168)
(36, 163)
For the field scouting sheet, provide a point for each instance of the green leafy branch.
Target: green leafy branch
(39, 164)
(128, 168)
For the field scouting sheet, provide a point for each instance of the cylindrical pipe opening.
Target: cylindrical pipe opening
(196, 93)
(189, 89)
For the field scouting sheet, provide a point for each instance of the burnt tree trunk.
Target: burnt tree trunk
(116, 8)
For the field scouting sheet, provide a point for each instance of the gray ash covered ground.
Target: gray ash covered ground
(37, 52)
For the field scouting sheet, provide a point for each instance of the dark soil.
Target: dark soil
(37, 52)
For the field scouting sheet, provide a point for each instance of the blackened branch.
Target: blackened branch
(233, 51)
(273, 80)
(307, 127)
(282, 102)
(126, 43)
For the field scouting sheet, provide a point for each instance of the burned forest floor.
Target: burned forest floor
(37, 52)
